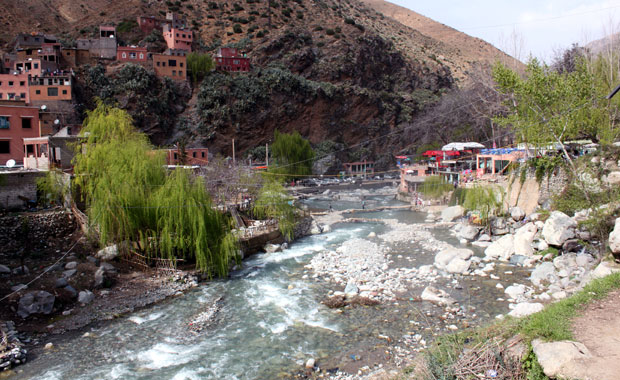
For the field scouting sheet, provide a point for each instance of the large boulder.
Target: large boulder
(517, 214)
(614, 238)
(526, 308)
(501, 249)
(524, 237)
(35, 302)
(605, 269)
(458, 266)
(272, 248)
(437, 296)
(561, 359)
(468, 232)
(108, 253)
(544, 273)
(85, 297)
(558, 228)
(515, 292)
(104, 277)
(613, 178)
(449, 214)
(499, 226)
(444, 257)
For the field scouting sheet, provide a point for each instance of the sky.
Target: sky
(541, 27)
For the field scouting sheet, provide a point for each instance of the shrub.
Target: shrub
(237, 28)
(330, 32)
(349, 21)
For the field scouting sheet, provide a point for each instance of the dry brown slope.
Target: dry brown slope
(462, 52)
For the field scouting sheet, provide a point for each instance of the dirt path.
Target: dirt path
(599, 330)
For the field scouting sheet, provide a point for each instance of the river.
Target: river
(271, 319)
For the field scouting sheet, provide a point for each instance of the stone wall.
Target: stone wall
(42, 227)
(14, 185)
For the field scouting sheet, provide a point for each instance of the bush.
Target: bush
(330, 32)
(237, 28)
(349, 21)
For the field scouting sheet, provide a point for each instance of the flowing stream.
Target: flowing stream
(270, 321)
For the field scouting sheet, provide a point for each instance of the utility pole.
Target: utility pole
(267, 154)
(233, 143)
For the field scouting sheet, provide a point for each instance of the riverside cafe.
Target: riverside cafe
(454, 159)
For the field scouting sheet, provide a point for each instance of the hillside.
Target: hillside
(345, 72)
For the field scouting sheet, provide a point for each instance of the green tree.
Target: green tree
(274, 202)
(199, 65)
(484, 200)
(292, 155)
(130, 196)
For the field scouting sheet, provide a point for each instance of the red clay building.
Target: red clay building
(178, 38)
(173, 67)
(14, 87)
(229, 59)
(148, 23)
(46, 88)
(193, 156)
(17, 121)
(131, 54)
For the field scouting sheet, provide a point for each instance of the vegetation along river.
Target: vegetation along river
(268, 318)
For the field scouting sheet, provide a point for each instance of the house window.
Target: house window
(194, 154)
(68, 53)
(64, 92)
(175, 156)
(177, 34)
(52, 91)
(141, 56)
(4, 122)
(180, 73)
(235, 62)
(157, 64)
(132, 55)
(22, 83)
(124, 55)
(10, 83)
(11, 95)
(36, 65)
(38, 92)
(22, 95)
(203, 154)
(183, 35)
(26, 122)
(181, 64)
(172, 62)
(174, 73)
(5, 147)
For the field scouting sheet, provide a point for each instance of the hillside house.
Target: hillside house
(43, 153)
(175, 21)
(176, 52)
(411, 176)
(173, 67)
(231, 60)
(8, 63)
(495, 161)
(149, 23)
(17, 121)
(32, 41)
(193, 156)
(35, 67)
(178, 38)
(72, 58)
(15, 87)
(104, 47)
(131, 54)
(50, 87)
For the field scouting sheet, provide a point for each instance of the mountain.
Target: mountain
(342, 73)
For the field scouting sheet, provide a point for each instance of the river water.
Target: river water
(271, 319)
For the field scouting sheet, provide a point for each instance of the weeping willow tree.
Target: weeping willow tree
(292, 154)
(273, 202)
(131, 197)
(487, 201)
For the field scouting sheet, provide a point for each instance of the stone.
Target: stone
(108, 253)
(544, 273)
(614, 238)
(572, 245)
(18, 287)
(351, 289)
(605, 268)
(372, 235)
(310, 363)
(526, 308)
(272, 248)
(48, 346)
(458, 265)
(85, 297)
(71, 290)
(613, 178)
(584, 260)
(567, 262)
(501, 249)
(69, 273)
(104, 277)
(54, 268)
(109, 267)
(558, 228)
(444, 257)
(518, 260)
(517, 214)
(21, 270)
(484, 237)
(541, 245)
(61, 282)
(561, 359)
(437, 296)
(481, 244)
(515, 291)
(449, 214)
(468, 232)
(4, 270)
(92, 260)
(559, 295)
(523, 239)
(499, 226)
(35, 302)
(71, 265)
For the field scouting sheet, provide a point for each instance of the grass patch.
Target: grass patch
(552, 324)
